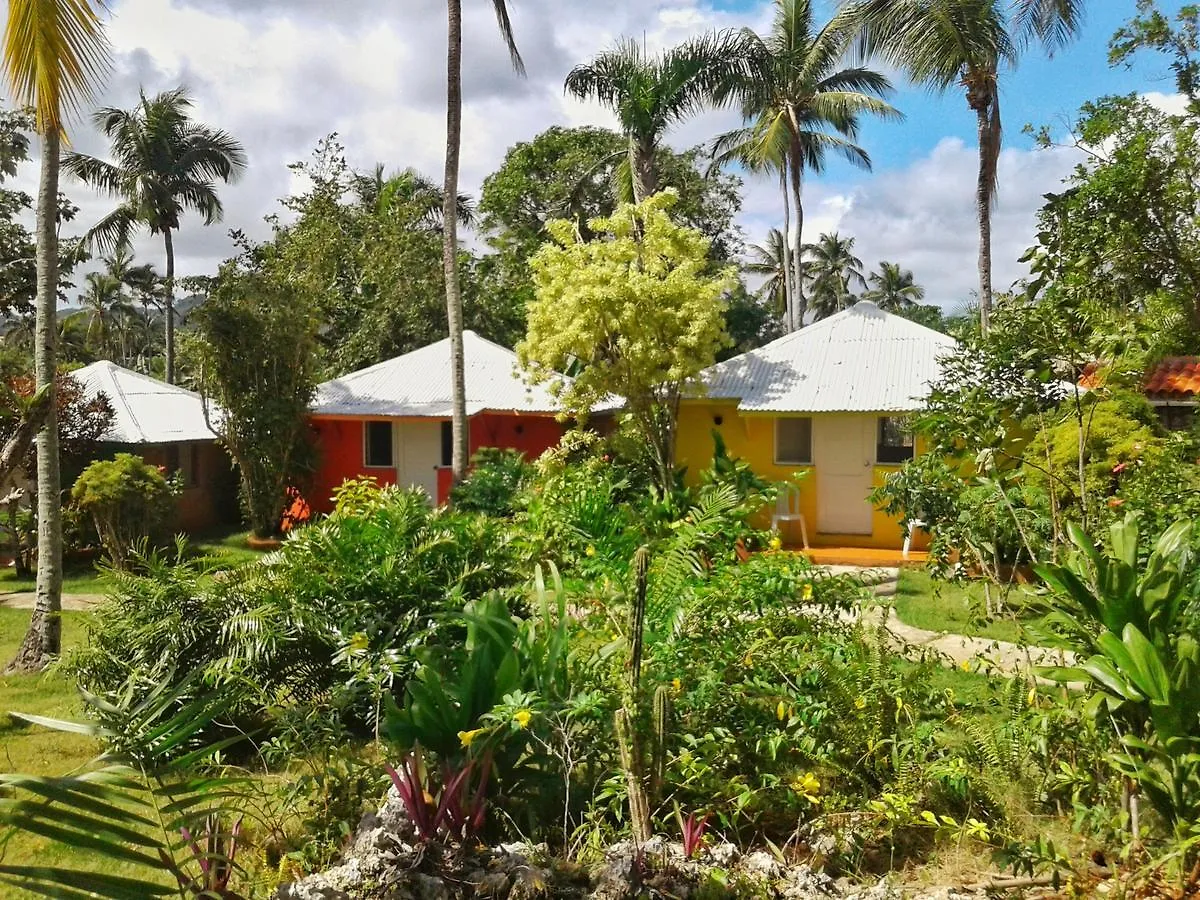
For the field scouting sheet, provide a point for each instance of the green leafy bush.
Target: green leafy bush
(493, 484)
(127, 500)
(332, 619)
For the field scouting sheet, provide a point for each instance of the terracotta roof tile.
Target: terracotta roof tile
(1174, 378)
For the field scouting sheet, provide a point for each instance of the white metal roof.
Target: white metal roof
(860, 360)
(419, 384)
(145, 410)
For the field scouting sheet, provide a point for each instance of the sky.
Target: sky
(281, 74)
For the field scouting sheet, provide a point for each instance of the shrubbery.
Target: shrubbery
(127, 500)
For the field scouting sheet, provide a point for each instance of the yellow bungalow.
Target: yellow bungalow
(829, 404)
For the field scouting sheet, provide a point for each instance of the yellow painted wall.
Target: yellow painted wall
(752, 438)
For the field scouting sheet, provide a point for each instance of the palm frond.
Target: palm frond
(506, 31)
(55, 55)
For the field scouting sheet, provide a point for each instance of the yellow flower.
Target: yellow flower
(359, 643)
(747, 660)
(860, 703)
(590, 551)
(428, 797)
(808, 787)
(522, 717)
(806, 592)
(781, 711)
(467, 736)
(1032, 698)
(775, 543)
(966, 665)
(676, 685)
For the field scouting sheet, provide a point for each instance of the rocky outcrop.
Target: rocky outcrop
(386, 862)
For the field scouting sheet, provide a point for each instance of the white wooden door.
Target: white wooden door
(844, 457)
(418, 454)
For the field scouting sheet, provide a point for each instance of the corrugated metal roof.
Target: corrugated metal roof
(419, 384)
(1174, 378)
(860, 360)
(145, 410)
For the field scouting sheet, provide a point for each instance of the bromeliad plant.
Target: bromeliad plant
(1136, 634)
(453, 806)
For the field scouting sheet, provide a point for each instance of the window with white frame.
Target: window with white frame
(793, 441)
(895, 444)
(377, 445)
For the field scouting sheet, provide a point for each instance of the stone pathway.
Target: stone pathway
(987, 654)
(70, 602)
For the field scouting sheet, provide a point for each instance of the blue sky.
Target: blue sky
(281, 74)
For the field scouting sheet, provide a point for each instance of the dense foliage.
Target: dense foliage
(127, 501)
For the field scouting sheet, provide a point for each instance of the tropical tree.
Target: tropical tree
(165, 164)
(382, 193)
(801, 104)
(454, 306)
(967, 44)
(54, 55)
(99, 301)
(770, 260)
(893, 288)
(833, 272)
(651, 93)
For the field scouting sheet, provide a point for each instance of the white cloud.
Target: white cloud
(281, 74)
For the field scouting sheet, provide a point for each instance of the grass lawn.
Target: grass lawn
(923, 602)
(229, 548)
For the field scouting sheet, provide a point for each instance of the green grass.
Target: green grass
(924, 602)
(83, 578)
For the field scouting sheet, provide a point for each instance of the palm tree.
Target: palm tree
(454, 306)
(100, 300)
(165, 164)
(650, 94)
(966, 44)
(833, 271)
(381, 193)
(54, 55)
(770, 259)
(801, 104)
(893, 288)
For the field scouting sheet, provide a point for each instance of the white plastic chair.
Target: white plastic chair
(913, 525)
(787, 509)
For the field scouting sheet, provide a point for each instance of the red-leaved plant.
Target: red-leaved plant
(692, 829)
(450, 808)
(214, 854)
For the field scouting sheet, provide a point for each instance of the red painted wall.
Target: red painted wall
(339, 443)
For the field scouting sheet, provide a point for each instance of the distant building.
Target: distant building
(164, 424)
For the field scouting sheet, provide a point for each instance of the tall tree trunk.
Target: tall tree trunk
(789, 290)
(43, 640)
(169, 305)
(454, 308)
(641, 164)
(983, 206)
(797, 244)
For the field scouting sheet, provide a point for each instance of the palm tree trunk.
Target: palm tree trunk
(801, 303)
(169, 305)
(43, 640)
(983, 207)
(789, 299)
(454, 309)
(641, 164)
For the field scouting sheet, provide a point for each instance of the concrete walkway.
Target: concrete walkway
(975, 653)
(70, 602)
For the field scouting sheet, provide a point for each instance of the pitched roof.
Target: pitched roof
(1174, 378)
(145, 410)
(419, 384)
(860, 360)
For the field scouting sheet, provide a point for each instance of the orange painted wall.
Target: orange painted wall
(340, 445)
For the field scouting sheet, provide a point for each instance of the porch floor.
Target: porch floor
(867, 557)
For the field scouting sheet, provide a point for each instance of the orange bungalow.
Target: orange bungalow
(391, 421)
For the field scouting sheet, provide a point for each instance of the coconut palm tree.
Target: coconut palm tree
(801, 104)
(833, 272)
(649, 94)
(165, 164)
(55, 54)
(454, 307)
(968, 44)
(380, 192)
(770, 260)
(99, 304)
(893, 288)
